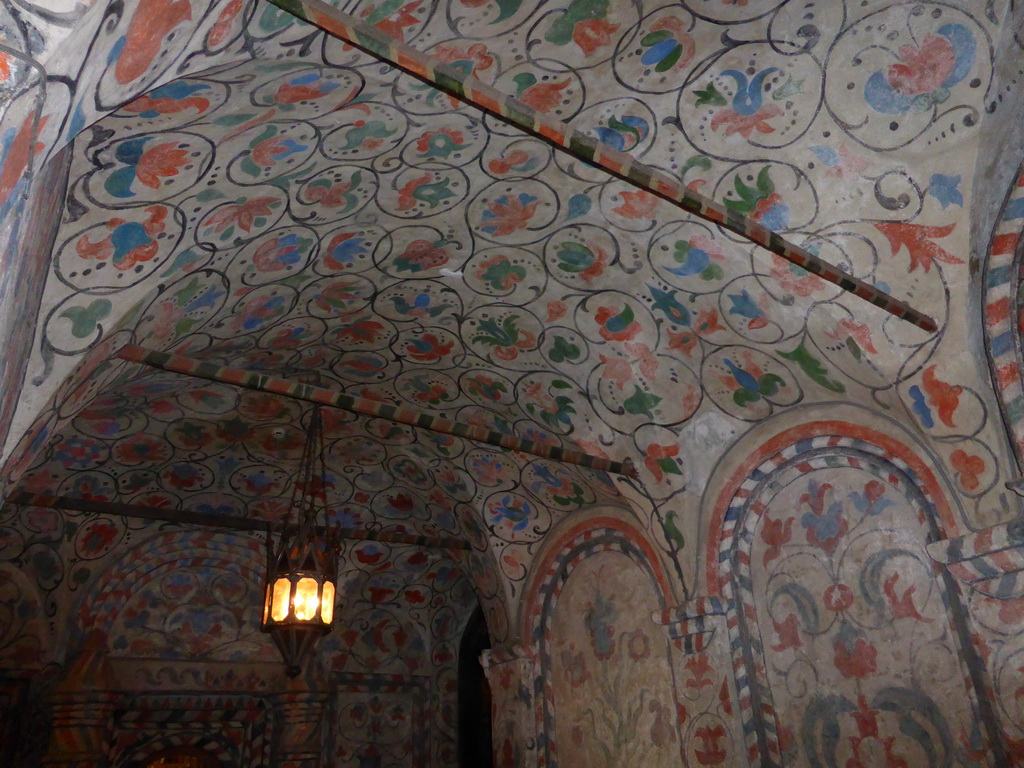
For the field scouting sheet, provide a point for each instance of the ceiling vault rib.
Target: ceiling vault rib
(229, 522)
(366, 407)
(586, 148)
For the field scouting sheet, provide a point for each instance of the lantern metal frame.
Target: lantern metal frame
(302, 568)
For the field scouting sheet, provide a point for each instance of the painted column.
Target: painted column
(708, 725)
(512, 674)
(299, 737)
(83, 711)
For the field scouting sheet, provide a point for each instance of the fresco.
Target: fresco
(304, 209)
(244, 190)
(844, 625)
(611, 672)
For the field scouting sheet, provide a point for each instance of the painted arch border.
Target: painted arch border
(815, 434)
(1003, 277)
(598, 532)
(100, 606)
(737, 510)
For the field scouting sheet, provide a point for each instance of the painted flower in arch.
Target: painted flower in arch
(343, 250)
(500, 273)
(128, 242)
(178, 96)
(924, 73)
(554, 410)
(242, 214)
(748, 381)
(421, 189)
(482, 386)
(795, 279)
(330, 194)
(661, 460)
(304, 87)
(421, 255)
(624, 134)
(150, 166)
(139, 449)
(428, 348)
(469, 60)
(184, 475)
(599, 618)
(747, 112)
(617, 324)
(508, 214)
(77, 452)
(824, 527)
(968, 468)
(360, 330)
(585, 261)
(439, 143)
(98, 537)
(853, 655)
(760, 201)
(543, 95)
(636, 204)
(574, 666)
(638, 645)
(585, 24)
(511, 511)
(865, 745)
(668, 45)
(775, 533)
(592, 34)
(392, 17)
(258, 311)
(697, 256)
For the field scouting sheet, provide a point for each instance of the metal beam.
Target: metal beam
(367, 407)
(229, 522)
(585, 148)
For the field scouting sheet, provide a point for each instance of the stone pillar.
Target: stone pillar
(299, 735)
(83, 711)
(513, 675)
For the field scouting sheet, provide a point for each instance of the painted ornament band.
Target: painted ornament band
(367, 407)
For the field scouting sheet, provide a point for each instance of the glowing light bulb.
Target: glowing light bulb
(306, 599)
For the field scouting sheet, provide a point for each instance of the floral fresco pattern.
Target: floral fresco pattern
(246, 191)
(862, 661)
(311, 212)
(611, 669)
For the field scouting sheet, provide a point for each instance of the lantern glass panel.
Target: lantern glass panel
(279, 606)
(307, 599)
(327, 609)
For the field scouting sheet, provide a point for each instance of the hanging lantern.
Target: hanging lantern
(302, 569)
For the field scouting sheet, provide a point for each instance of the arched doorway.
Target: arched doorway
(475, 742)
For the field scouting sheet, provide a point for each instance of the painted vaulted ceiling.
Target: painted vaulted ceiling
(247, 191)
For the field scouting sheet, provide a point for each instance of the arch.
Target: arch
(814, 435)
(205, 741)
(188, 755)
(25, 642)
(550, 573)
(1003, 275)
(743, 503)
(100, 608)
(564, 552)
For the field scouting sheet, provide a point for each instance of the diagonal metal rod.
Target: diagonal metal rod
(586, 148)
(367, 407)
(229, 522)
